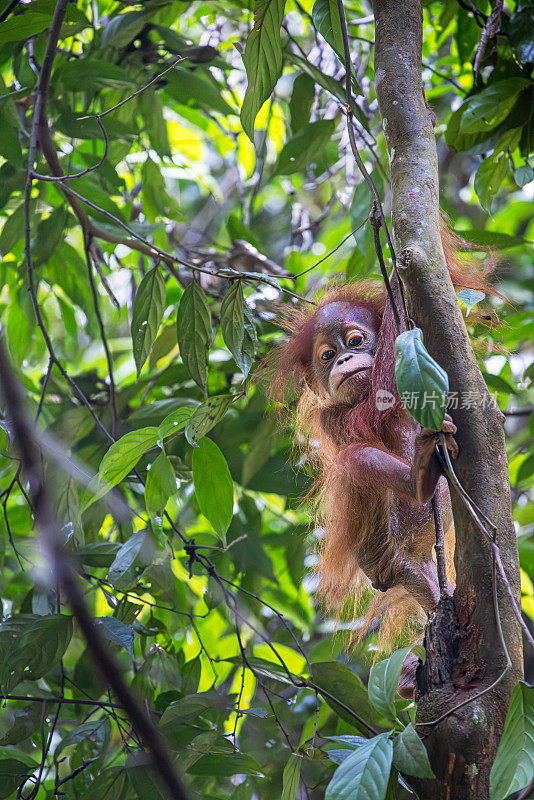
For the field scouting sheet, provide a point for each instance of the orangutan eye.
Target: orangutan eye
(355, 340)
(328, 355)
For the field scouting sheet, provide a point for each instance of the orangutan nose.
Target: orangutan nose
(345, 357)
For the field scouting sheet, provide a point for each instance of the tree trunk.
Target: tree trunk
(464, 649)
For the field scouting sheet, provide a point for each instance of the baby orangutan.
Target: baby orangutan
(376, 467)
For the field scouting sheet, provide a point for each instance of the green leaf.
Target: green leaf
(191, 87)
(121, 457)
(214, 488)
(22, 26)
(123, 29)
(331, 85)
(116, 631)
(160, 485)
(147, 314)
(491, 106)
(233, 326)
(496, 239)
(302, 98)
(325, 15)
(262, 59)
(421, 379)
(174, 422)
(291, 777)
(522, 176)
(489, 177)
(520, 30)
(526, 470)
(155, 123)
(364, 775)
(470, 297)
(98, 554)
(513, 768)
(206, 416)
(142, 777)
(12, 230)
(384, 678)
(499, 383)
(95, 731)
(305, 146)
(344, 684)
(409, 754)
(14, 767)
(30, 646)
(94, 73)
(194, 332)
(134, 552)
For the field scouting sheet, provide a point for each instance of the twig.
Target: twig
(103, 337)
(440, 544)
(361, 166)
(67, 700)
(489, 31)
(58, 178)
(375, 224)
(350, 129)
(64, 574)
(331, 253)
(138, 92)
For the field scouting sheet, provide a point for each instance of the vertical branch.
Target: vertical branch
(474, 657)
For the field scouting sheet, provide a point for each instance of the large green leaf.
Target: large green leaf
(233, 322)
(422, 384)
(123, 28)
(214, 488)
(22, 26)
(147, 314)
(513, 768)
(489, 177)
(302, 97)
(409, 754)
(14, 767)
(331, 85)
(305, 146)
(492, 105)
(206, 416)
(175, 421)
(364, 775)
(384, 678)
(342, 683)
(291, 777)
(120, 459)
(191, 87)
(160, 485)
(194, 332)
(31, 645)
(135, 552)
(93, 72)
(325, 15)
(262, 59)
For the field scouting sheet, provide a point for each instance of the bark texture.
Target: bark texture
(464, 653)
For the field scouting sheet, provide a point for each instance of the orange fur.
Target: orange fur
(346, 510)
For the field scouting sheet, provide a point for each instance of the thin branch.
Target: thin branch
(138, 92)
(489, 31)
(440, 544)
(67, 700)
(63, 571)
(103, 336)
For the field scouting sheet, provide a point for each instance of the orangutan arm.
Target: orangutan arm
(416, 481)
